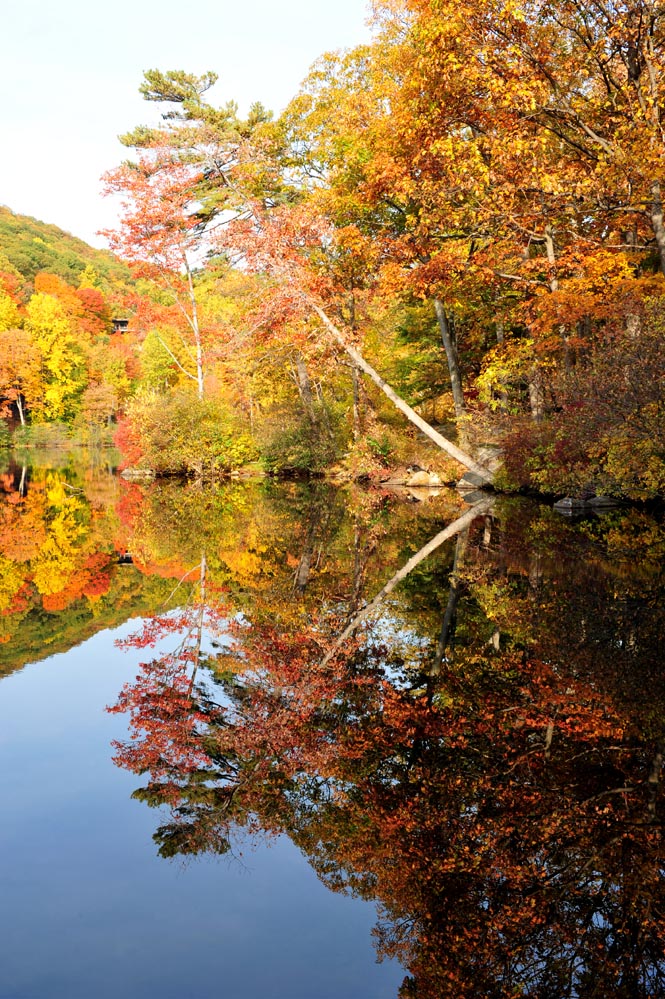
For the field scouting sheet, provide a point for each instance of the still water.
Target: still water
(279, 740)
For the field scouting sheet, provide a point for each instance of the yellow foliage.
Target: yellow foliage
(9, 315)
(89, 277)
(60, 554)
(63, 371)
(46, 320)
(11, 581)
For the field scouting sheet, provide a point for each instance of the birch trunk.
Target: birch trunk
(464, 459)
(194, 323)
(461, 524)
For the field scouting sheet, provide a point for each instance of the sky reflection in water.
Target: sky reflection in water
(87, 907)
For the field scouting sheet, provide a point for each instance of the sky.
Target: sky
(70, 72)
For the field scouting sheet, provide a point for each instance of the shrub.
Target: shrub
(609, 432)
(180, 434)
(303, 445)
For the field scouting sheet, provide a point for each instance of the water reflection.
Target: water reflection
(479, 750)
(63, 529)
(455, 713)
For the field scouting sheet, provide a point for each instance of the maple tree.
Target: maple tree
(158, 227)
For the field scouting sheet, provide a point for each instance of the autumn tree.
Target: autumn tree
(243, 199)
(469, 147)
(63, 365)
(20, 371)
(185, 176)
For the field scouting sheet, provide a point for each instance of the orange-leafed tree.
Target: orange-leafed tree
(21, 382)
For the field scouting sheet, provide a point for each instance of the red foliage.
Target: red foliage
(127, 440)
(11, 284)
(94, 318)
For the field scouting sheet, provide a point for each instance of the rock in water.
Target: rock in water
(423, 478)
(570, 504)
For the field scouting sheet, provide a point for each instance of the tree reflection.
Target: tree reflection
(497, 795)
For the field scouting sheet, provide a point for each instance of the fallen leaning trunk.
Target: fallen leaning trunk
(483, 473)
(461, 524)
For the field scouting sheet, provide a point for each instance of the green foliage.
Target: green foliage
(303, 445)
(43, 435)
(158, 368)
(180, 434)
(382, 448)
(32, 246)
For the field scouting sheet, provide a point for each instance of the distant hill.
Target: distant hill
(31, 246)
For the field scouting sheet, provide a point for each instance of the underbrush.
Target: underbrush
(608, 432)
(299, 444)
(181, 435)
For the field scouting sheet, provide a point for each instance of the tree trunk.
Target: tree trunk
(653, 780)
(554, 286)
(434, 435)
(450, 347)
(657, 222)
(195, 651)
(536, 394)
(194, 323)
(305, 388)
(449, 622)
(456, 527)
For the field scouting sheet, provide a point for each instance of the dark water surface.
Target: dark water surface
(343, 725)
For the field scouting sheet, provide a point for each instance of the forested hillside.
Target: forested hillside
(30, 246)
(60, 362)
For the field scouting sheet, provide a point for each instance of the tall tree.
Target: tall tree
(233, 192)
(63, 363)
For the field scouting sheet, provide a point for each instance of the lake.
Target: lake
(286, 740)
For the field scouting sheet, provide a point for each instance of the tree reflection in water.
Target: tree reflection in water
(492, 781)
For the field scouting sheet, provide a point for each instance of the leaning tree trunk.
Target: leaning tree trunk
(464, 459)
(458, 525)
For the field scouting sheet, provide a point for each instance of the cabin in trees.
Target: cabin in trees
(120, 325)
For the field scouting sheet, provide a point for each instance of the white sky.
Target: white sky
(70, 72)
